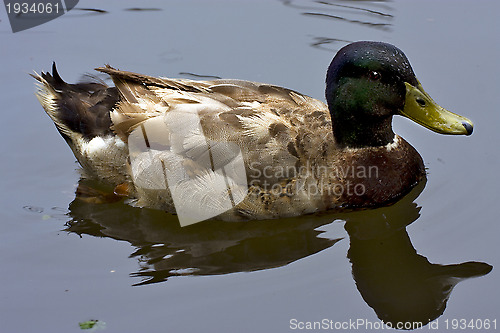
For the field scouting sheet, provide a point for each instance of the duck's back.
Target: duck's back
(215, 130)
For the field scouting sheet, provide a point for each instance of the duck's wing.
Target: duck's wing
(258, 117)
(231, 132)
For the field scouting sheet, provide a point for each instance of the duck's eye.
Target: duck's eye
(375, 76)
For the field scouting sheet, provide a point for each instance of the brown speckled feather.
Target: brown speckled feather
(279, 131)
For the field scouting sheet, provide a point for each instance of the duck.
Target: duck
(237, 150)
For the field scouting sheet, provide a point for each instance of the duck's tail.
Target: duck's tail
(78, 110)
(81, 113)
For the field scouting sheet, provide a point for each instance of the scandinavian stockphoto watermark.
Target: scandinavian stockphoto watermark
(333, 180)
(26, 14)
(205, 178)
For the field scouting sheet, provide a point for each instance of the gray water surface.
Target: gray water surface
(66, 261)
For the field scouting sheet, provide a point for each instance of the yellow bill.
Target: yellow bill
(420, 108)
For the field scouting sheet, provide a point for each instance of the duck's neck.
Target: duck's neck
(369, 133)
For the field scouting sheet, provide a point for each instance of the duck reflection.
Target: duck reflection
(165, 249)
(399, 284)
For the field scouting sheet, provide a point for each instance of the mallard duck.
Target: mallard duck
(239, 150)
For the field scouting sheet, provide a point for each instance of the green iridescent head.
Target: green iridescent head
(369, 82)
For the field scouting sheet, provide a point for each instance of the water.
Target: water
(67, 261)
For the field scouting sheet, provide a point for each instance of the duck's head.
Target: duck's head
(369, 82)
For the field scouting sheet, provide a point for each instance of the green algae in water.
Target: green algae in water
(92, 325)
